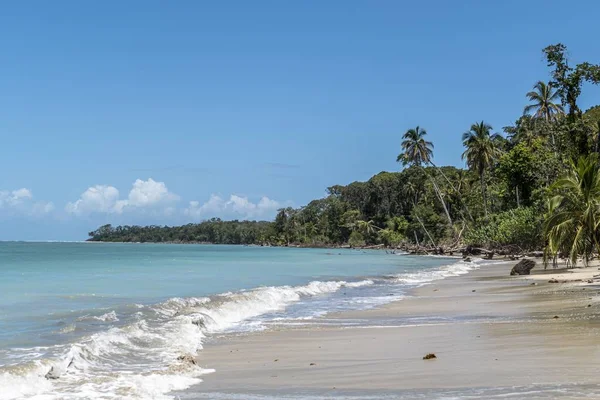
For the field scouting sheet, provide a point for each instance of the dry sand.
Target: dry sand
(486, 328)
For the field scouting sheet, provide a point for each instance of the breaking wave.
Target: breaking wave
(152, 356)
(152, 352)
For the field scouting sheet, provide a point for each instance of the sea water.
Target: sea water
(102, 320)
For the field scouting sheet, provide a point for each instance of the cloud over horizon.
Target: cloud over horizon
(149, 197)
(21, 202)
(144, 195)
(236, 206)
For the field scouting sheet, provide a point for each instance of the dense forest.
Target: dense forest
(533, 185)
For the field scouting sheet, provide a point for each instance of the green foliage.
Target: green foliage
(498, 201)
(520, 227)
(567, 79)
(415, 149)
(525, 167)
(482, 151)
(572, 227)
(543, 96)
(356, 239)
(212, 231)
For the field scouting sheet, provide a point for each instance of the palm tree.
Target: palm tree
(543, 106)
(482, 150)
(418, 151)
(368, 227)
(415, 149)
(573, 221)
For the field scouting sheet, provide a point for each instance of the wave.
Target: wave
(154, 354)
(144, 359)
(423, 277)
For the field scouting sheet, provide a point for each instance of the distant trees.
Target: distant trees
(513, 194)
(211, 231)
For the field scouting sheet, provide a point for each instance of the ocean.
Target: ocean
(109, 321)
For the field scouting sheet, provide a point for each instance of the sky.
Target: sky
(154, 112)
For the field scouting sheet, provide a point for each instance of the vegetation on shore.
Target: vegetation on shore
(515, 192)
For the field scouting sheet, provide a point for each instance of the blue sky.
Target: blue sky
(125, 112)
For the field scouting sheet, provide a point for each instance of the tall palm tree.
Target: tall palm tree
(415, 149)
(543, 98)
(482, 150)
(418, 151)
(573, 221)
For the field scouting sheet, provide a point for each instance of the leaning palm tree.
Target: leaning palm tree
(543, 98)
(418, 151)
(482, 150)
(573, 220)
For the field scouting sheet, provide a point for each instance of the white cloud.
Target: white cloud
(21, 201)
(99, 198)
(105, 199)
(236, 206)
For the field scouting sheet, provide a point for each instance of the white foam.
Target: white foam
(139, 361)
(108, 317)
(237, 307)
(26, 381)
(446, 271)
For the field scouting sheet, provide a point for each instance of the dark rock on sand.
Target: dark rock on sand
(429, 356)
(523, 267)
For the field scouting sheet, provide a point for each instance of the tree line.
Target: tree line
(532, 185)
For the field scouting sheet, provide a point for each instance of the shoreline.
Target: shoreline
(487, 329)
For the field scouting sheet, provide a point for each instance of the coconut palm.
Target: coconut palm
(573, 220)
(367, 227)
(543, 96)
(482, 150)
(418, 151)
(415, 149)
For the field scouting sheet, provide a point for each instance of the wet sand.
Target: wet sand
(487, 329)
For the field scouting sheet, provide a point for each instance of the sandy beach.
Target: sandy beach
(487, 329)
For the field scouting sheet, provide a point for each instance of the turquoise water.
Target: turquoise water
(111, 319)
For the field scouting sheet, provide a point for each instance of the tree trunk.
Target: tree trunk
(453, 188)
(425, 229)
(517, 191)
(483, 194)
(439, 194)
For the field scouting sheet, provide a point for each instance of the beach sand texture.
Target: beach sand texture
(487, 329)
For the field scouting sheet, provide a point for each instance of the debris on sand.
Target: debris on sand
(429, 356)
